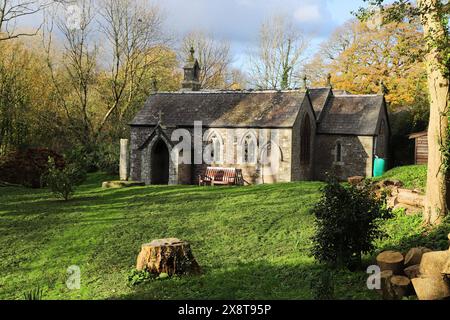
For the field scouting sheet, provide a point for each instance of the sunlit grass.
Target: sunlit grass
(252, 242)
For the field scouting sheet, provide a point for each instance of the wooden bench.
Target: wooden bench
(221, 176)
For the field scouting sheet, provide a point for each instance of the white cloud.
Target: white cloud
(308, 13)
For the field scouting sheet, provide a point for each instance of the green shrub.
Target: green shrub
(108, 157)
(322, 287)
(136, 277)
(26, 167)
(83, 157)
(103, 157)
(347, 221)
(62, 182)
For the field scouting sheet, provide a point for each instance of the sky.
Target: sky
(238, 21)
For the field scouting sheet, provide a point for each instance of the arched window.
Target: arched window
(215, 147)
(338, 151)
(249, 149)
(305, 141)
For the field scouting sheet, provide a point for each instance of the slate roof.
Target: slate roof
(223, 109)
(341, 92)
(338, 113)
(319, 97)
(352, 114)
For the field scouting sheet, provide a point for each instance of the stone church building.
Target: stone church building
(317, 130)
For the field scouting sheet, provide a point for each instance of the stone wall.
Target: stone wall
(356, 156)
(303, 171)
(143, 138)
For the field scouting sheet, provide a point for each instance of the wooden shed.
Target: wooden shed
(421, 147)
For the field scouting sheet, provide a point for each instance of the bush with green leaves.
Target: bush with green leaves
(347, 221)
(322, 286)
(62, 181)
(104, 157)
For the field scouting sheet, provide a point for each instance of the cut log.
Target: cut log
(431, 288)
(122, 184)
(410, 197)
(355, 180)
(412, 271)
(409, 210)
(391, 260)
(171, 256)
(433, 263)
(400, 286)
(385, 281)
(394, 183)
(446, 270)
(414, 256)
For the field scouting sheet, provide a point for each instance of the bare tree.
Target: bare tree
(277, 62)
(75, 76)
(12, 10)
(133, 31)
(237, 80)
(213, 55)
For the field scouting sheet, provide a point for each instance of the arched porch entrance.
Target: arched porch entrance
(160, 163)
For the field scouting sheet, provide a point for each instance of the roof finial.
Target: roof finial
(329, 80)
(305, 82)
(192, 51)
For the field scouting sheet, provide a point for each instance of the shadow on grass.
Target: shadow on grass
(435, 239)
(254, 281)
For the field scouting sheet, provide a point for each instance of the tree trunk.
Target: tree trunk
(438, 86)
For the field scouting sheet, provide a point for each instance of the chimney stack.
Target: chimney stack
(191, 80)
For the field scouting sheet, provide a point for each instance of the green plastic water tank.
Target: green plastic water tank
(379, 167)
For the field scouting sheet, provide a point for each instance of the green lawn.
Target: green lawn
(252, 241)
(413, 177)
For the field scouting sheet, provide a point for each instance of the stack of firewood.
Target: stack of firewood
(420, 272)
(397, 197)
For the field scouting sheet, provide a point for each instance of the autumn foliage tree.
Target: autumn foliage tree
(434, 18)
(359, 58)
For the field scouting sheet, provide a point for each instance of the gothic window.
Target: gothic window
(249, 149)
(305, 141)
(338, 151)
(216, 148)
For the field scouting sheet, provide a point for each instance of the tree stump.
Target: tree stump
(391, 260)
(412, 271)
(414, 256)
(431, 288)
(401, 286)
(433, 263)
(171, 256)
(385, 279)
